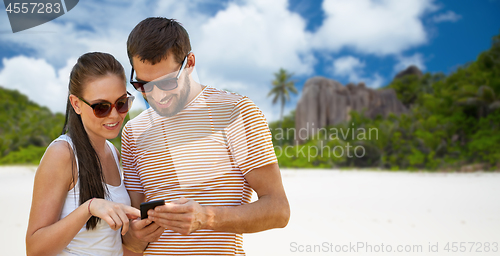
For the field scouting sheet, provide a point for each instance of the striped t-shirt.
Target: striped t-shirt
(201, 153)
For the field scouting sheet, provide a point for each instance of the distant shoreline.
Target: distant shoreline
(472, 170)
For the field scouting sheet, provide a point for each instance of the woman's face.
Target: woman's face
(104, 89)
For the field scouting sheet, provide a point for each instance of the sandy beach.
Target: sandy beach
(338, 212)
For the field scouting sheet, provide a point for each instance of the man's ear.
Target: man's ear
(75, 103)
(191, 61)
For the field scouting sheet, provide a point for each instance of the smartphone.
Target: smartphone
(149, 205)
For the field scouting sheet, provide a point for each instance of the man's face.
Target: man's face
(165, 103)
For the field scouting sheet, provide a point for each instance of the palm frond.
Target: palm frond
(282, 87)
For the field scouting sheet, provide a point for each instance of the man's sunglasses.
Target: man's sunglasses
(166, 84)
(103, 109)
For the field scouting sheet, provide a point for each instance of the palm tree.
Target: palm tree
(485, 100)
(282, 87)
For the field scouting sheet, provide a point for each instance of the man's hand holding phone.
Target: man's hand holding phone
(183, 216)
(143, 229)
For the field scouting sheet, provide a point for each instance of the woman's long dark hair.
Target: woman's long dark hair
(89, 67)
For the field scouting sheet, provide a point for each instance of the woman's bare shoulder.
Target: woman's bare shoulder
(58, 161)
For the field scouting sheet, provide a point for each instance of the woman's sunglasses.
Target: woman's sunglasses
(103, 109)
(166, 84)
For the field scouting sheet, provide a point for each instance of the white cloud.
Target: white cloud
(404, 62)
(449, 16)
(38, 80)
(42, 82)
(259, 35)
(348, 66)
(242, 46)
(351, 68)
(379, 27)
(376, 81)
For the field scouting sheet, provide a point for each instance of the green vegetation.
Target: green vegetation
(26, 128)
(28, 155)
(453, 121)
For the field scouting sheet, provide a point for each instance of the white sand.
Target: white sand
(339, 210)
(16, 186)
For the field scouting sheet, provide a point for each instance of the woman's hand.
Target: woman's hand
(115, 214)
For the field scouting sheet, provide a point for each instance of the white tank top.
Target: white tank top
(101, 240)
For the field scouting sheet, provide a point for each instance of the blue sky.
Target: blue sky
(240, 44)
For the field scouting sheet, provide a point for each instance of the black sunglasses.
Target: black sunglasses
(166, 84)
(103, 109)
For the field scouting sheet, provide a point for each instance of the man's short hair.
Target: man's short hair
(153, 38)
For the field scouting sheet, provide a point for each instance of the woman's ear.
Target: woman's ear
(75, 103)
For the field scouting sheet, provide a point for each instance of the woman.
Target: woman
(79, 200)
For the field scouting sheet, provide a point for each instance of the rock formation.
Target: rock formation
(411, 70)
(327, 102)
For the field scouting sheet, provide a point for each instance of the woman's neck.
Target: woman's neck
(99, 145)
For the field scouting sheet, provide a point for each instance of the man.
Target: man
(200, 149)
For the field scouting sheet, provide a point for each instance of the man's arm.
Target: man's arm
(141, 232)
(271, 210)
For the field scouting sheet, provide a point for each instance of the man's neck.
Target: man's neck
(196, 88)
